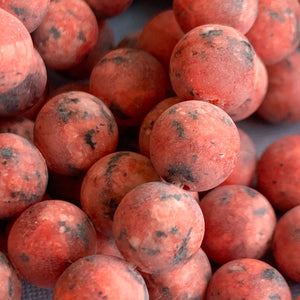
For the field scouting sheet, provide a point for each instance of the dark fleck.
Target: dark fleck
(178, 53)
(251, 192)
(64, 113)
(193, 114)
(172, 110)
(81, 36)
(275, 297)
(237, 268)
(170, 196)
(165, 289)
(122, 234)
(182, 251)
(90, 258)
(174, 230)
(161, 234)
(180, 171)
(116, 60)
(179, 129)
(136, 276)
(177, 74)
(6, 153)
(273, 274)
(151, 252)
(113, 162)
(55, 33)
(81, 232)
(112, 205)
(225, 198)
(275, 15)
(259, 212)
(25, 257)
(71, 286)
(248, 52)
(18, 10)
(211, 33)
(88, 137)
(118, 112)
(10, 287)
(227, 120)
(64, 224)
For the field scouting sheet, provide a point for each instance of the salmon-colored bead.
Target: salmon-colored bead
(277, 172)
(30, 13)
(23, 174)
(239, 221)
(18, 125)
(286, 243)
(214, 63)
(148, 123)
(109, 180)
(47, 237)
(10, 287)
(244, 171)
(238, 14)
(67, 33)
(100, 277)
(275, 33)
(25, 95)
(252, 104)
(166, 231)
(130, 82)
(107, 9)
(160, 35)
(105, 43)
(194, 144)
(247, 279)
(16, 50)
(282, 103)
(83, 125)
(188, 282)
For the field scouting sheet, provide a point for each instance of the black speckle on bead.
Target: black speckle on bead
(118, 112)
(123, 234)
(248, 52)
(150, 252)
(251, 192)
(161, 234)
(63, 112)
(113, 162)
(88, 138)
(6, 153)
(71, 286)
(117, 60)
(55, 32)
(276, 16)
(10, 287)
(174, 230)
(193, 114)
(260, 211)
(24, 257)
(272, 274)
(179, 128)
(211, 33)
(81, 36)
(165, 290)
(170, 196)
(225, 199)
(172, 110)
(181, 254)
(112, 205)
(180, 171)
(227, 120)
(275, 297)
(82, 234)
